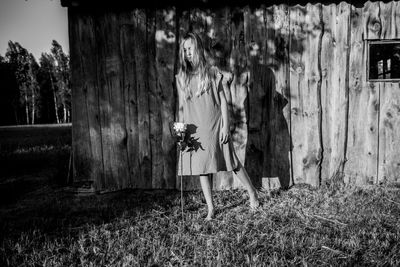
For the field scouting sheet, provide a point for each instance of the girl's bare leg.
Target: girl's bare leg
(245, 180)
(206, 187)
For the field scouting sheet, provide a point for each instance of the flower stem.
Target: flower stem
(181, 181)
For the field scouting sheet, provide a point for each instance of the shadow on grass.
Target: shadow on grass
(31, 168)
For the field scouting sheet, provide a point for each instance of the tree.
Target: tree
(9, 94)
(25, 66)
(33, 84)
(62, 74)
(47, 64)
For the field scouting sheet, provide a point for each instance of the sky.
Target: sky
(34, 24)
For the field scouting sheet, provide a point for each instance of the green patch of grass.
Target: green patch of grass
(300, 226)
(32, 152)
(22, 137)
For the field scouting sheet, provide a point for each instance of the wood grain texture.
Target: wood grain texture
(389, 103)
(281, 98)
(275, 129)
(327, 68)
(338, 87)
(154, 102)
(165, 62)
(86, 132)
(111, 102)
(301, 108)
(127, 37)
(305, 31)
(142, 89)
(359, 152)
(260, 83)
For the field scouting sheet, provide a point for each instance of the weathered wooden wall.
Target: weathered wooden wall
(301, 108)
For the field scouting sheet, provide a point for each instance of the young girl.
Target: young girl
(203, 107)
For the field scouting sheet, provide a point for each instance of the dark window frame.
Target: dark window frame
(374, 42)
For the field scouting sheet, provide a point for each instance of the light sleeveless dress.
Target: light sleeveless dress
(203, 117)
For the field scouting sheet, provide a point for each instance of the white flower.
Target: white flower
(179, 127)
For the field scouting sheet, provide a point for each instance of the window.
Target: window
(384, 60)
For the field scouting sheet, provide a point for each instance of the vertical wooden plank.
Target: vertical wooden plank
(328, 74)
(339, 86)
(142, 89)
(359, 154)
(239, 86)
(111, 103)
(372, 26)
(396, 19)
(154, 102)
(305, 31)
(261, 79)
(130, 103)
(389, 123)
(86, 133)
(368, 164)
(372, 31)
(387, 18)
(389, 114)
(165, 56)
(127, 44)
(312, 76)
(296, 50)
(277, 156)
(320, 152)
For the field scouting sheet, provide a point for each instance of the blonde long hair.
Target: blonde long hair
(200, 64)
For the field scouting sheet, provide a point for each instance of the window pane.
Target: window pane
(384, 60)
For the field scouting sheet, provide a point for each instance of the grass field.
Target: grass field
(32, 156)
(46, 225)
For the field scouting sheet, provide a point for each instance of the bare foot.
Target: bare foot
(210, 215)
(254, 203)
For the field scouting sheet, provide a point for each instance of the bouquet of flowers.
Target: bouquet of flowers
(178, 131)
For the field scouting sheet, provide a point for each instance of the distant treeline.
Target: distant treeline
(34, 92)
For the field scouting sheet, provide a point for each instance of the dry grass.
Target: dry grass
(300, 226)
(43, 225)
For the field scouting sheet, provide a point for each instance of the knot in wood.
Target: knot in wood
(376, 26)
(299, 69)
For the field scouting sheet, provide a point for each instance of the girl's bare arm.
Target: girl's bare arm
(224, 111)
(180, 102)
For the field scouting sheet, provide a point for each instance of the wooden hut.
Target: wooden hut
(297, 76)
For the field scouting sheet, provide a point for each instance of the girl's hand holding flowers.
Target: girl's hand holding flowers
(179, 130)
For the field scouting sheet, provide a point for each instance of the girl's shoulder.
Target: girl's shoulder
(179, 76)
(179, 79)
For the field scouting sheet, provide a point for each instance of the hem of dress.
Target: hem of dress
(209, 172)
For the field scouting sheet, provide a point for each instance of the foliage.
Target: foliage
(24, 66)
(62, 74)
(39, 86)
(9, 95)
